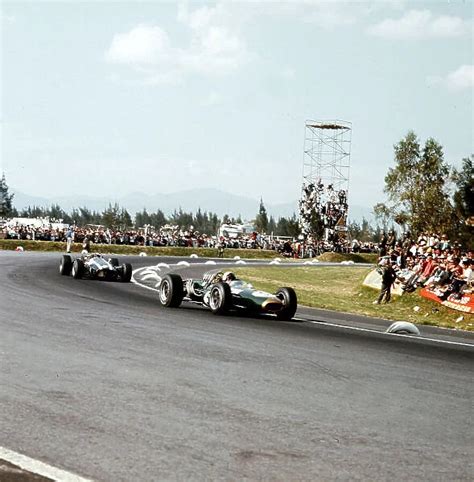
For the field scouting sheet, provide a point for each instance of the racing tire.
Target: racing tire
(220, 300)
(290, 300)
(126, 273)
(77, 269)
(65, 265)
(171, 291)
(114, 262)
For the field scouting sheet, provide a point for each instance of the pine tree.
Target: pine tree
(464, 203)
(111, 216)
(6, 205)
(261, 221)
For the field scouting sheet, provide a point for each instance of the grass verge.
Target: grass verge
(340, 289)
(356, 257)
(55, 246)
(11, 244)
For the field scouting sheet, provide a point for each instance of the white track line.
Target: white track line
(39, 468)
(337, 325)
(368, 330)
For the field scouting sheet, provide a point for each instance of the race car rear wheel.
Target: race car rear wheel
(220, 300)
(77, 268)
(126, 273)
(171, 290)
(114, 262)
(65, 265)
(290, 300)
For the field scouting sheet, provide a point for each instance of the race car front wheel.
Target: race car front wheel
(65, 265)
(126, 273)
(220, 300)
(171, 291)
(290, 303)
(77, 268)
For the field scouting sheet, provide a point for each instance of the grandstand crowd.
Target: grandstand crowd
(431, 261)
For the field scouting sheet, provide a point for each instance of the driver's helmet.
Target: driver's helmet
(229, 276)
(217, 277)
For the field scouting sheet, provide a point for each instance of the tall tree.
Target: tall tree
(158, 219)
(261, 221)
(464, 202)
(124, 219)
(382, 213)
(418, 185)
(111, 216)
(6, 200)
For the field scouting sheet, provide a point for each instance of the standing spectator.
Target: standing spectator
(86, 244)
(220, 248)
(69, 239)
(388, 278)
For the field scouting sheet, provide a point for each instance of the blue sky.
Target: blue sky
(117, 97)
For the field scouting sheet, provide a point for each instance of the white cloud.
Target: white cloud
(461, 78)
(143, 44)
(419, 24)
(215, 47)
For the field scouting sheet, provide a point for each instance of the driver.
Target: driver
(228, 277)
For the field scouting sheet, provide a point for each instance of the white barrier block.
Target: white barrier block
(274, 262)
(210, 261)
(194, 255)
(183, 263)
(307, 262)
(163, 265)
(315, 261)
(240, 261)
(19, 249)
(142, 254)
(236, 257)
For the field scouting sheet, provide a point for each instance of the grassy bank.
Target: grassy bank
(11, 244)
(340, 289)
(356, 257)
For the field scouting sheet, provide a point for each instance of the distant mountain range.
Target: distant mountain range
(210, 200)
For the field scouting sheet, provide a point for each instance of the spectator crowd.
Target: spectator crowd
(170, 235)
(431, 261)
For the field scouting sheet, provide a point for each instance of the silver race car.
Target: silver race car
(95, 266)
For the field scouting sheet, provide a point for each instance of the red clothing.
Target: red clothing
(428, 269)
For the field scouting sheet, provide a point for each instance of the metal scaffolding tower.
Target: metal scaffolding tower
(325, 187)
(327, 150)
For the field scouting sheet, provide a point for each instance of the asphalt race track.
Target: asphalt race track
(97, 379)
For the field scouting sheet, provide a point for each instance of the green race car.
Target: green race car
(223, 292)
